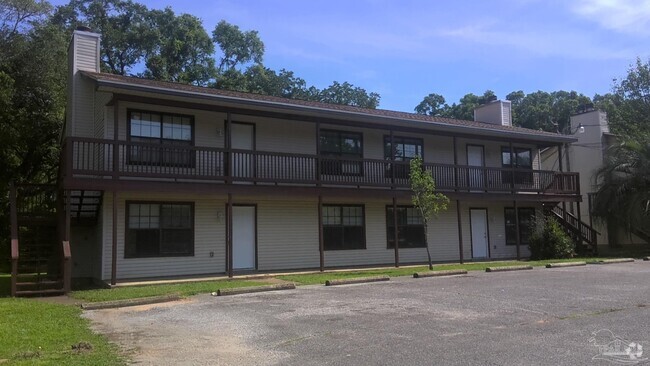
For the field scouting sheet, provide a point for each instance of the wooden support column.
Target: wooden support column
(460, 232)
(455, 167)
(321, 246)
(229, 235)
(392, 164)
(114, 241)
(116, 136)
(518, 239)
(561, 167)
(67, 211)
(318, 159)
(512, 168)
(579, 220)
(396, 232)
(116, 173)
(228, 147)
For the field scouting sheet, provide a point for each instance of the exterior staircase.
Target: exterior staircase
(40, 253)
(585, 236)
(40, 262)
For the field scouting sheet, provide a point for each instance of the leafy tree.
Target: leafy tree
(32, 102)
(515, 98)
(623, 196)
(546, 111)
(346, 94)
(15, 15)
(628, 106)
(432, 105)
(425, 198)
(128, 33)
(238, 47)
(183, 50)
(435, 105)
(261, 80)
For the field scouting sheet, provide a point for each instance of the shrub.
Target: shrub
(549, 241)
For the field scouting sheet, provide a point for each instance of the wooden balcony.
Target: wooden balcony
(87, 158)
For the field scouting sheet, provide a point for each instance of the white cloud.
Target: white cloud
(539, 42)
(626, 16)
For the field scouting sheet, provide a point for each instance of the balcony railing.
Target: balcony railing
(95, 158)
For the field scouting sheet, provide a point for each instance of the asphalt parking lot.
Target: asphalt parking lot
(535, 317)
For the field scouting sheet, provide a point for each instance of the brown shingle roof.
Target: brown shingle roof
(106, 77)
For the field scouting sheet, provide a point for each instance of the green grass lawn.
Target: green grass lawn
(320, 278)
(183, 289)
(38, 333)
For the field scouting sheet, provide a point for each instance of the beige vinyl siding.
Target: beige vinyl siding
(287, 234)
(209, 236)
(101, 115)
(86, 52)
(496, 227)
(83, 56)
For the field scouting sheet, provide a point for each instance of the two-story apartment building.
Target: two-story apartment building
(165, 179)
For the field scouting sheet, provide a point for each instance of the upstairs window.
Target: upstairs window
(406, 148)
(521, 159)
(167, 130)
(341, 152)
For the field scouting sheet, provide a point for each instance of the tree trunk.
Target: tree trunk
(426, 242)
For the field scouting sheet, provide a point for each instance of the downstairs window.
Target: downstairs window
(159, 230)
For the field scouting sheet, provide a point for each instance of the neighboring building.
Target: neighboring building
(586, 156)
(163, 179)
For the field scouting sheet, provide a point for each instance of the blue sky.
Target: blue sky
(406, 49)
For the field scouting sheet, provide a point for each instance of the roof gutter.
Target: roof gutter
(286, 106)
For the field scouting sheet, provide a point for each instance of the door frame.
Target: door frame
(226, 232)
(467, 146)
(254, 144)
(484, 177)
(487, 229)
(244, 123)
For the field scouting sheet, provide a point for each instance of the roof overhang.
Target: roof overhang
(122, 87)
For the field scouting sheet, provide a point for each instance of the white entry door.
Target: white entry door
(242, 138)
(243, 237)
(475, 158)
(479, 227)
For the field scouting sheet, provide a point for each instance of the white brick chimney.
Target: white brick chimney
(498, 112)
(83, 54)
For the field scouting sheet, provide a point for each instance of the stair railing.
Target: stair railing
(66, 267)
(14, 237)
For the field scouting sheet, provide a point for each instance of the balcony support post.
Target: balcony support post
(321, 247)
(114, 241)
(396, 232)
(518, 239)
(512, 172)
(392, 167)
(116, 136)
(229, 235)
(228, 146)
(318, 159)
(561, 167)
(460, 231)
(455, 169)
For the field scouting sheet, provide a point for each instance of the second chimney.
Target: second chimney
(497, 112)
